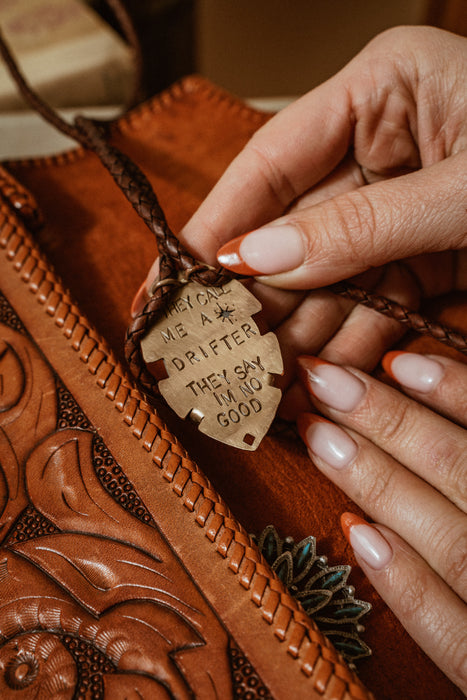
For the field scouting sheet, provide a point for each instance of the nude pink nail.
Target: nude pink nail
(327, 441)
(266, 251)
(331, 384)
(366, 541)
(413, 371)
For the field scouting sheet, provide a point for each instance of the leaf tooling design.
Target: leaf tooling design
(102, 571)
(30, 407)
(104, 576)
(134, 686)
(11, 377)
(64, 487)
(28, 413)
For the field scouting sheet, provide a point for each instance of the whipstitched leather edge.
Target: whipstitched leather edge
(133, 119)
(186, 86)
(315, 655)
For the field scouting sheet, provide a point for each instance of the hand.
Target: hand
(406, 466)
(395, 116)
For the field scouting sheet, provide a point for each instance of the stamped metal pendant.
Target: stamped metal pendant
(220, 368)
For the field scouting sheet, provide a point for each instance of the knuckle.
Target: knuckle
(354, 221)
(413, 601)
(393, 424)
(455, 562)
(378, 492)
(402, 36)
(449, 461)
(273, 176)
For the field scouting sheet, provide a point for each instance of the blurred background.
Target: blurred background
(266, 48)
(266, 51)
(272, 47)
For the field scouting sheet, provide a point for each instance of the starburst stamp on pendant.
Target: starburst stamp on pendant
(225, 313)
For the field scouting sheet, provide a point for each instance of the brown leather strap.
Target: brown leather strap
(37, 103)
(174, 257)
(125, 23)
(139, 192)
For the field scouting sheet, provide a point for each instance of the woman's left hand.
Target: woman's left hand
(405, 465)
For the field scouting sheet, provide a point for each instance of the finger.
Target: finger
(292, 152)
(405, 216)
(360, 341)
(303, 143)
(318, 317)
(362, 338)
(277, 304)
(347, 176)
(436, 381)
(366, 334)
(311, 324)
(424, 442)
(430, 612)
(142, 295)
(392, 495)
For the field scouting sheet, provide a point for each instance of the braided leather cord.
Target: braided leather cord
(174, 257)
(412, 319)
(39, 105)
(139, 192)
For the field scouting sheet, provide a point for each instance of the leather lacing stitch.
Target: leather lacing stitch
(316, 656)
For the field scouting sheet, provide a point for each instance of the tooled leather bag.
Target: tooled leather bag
(123, 571)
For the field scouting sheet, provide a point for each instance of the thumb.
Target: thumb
(422, 212)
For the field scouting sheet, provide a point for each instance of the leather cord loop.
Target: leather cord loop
(174, 258)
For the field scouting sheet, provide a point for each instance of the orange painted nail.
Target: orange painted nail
(139, 301)
(348, 520)
(229, 257)
(367, 541)
(388, 359)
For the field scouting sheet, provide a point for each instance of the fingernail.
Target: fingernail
(139, 302)
(366, 541)
(266, 251)
(331, 384)
(326, 441)
(413, 371)
(142, 295)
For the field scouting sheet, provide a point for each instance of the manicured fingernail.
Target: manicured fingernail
(333, 385)
(139, 302)
(366, 541)
(266, 251)
(326, 441)
(414, 371)
(142, 295)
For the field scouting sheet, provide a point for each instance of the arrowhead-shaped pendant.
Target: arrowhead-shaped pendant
(220, 368)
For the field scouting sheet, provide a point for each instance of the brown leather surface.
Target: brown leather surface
(122, 572)
(183, 141)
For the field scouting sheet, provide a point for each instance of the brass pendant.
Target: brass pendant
(220, 368)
